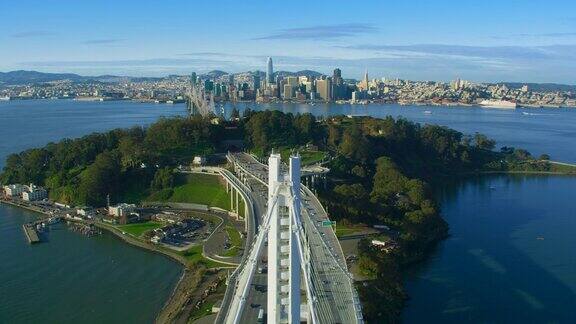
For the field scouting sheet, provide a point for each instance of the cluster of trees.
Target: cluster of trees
(271, 129)
(85, 171)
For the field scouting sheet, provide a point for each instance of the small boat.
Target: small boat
(53, 220)
(540, 238)
(427, 112)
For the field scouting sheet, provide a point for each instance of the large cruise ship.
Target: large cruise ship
(498, 104)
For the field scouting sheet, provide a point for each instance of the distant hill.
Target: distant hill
(31, 77)
(308, 73)
(24, 77)
(215, 74)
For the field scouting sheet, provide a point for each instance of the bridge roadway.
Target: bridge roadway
(335, 298)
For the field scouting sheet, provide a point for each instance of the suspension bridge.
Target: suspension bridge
(294, 269)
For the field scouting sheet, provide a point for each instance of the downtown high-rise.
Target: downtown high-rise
(270, 72)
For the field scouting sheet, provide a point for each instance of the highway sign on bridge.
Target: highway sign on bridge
(328, 223)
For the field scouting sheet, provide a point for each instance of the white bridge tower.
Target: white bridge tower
(284, 266)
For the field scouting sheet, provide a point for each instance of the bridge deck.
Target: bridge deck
(335, 299)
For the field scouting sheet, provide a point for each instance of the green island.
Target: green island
(382, 174)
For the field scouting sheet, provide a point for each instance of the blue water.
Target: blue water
(74, 279)
(511, 256)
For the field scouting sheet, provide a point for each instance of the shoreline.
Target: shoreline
(314, 103)
(186, 271)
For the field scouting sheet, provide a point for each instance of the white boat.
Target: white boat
(6, 98)
(427, 112)
(53, 220)
(502, 104)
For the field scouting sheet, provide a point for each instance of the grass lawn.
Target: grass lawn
(234, 235)
(562, 168)
(195, 188)
(235, 241)
(137, 229)
(204, 310)
(312, 157)
(344, 229)
(206, 307)
(194, 256)
(306, 157)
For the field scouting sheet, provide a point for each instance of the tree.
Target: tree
(305, 127)
(333, 136)
(163, 178)
(483, 142)
(131, 152)
(100, 179)
(354, 145)
(545, 157)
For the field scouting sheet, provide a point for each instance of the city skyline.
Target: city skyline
(416, 41)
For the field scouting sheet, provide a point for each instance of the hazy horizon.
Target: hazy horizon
(490, 41)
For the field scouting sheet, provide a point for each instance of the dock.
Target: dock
(31, 233)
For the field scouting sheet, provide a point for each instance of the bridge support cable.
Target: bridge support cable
(305, 262)
(247, 273)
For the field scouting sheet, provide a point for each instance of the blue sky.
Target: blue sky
(527, 41)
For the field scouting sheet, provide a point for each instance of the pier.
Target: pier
(31, 233)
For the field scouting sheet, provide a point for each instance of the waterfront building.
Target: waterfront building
(339, 88)
(199, 160)
(84, 211)
(121, 210)
(324, 87)
(288, 91)
(34, 193)
(14, 190)
(269, 72)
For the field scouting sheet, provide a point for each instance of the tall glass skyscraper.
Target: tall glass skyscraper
(270, 72)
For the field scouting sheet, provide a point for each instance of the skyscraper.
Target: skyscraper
(338, 87)
(324, 89)
(270, 72)
(193, 78)
(256, 78)
(337, 76)
(365, 84)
